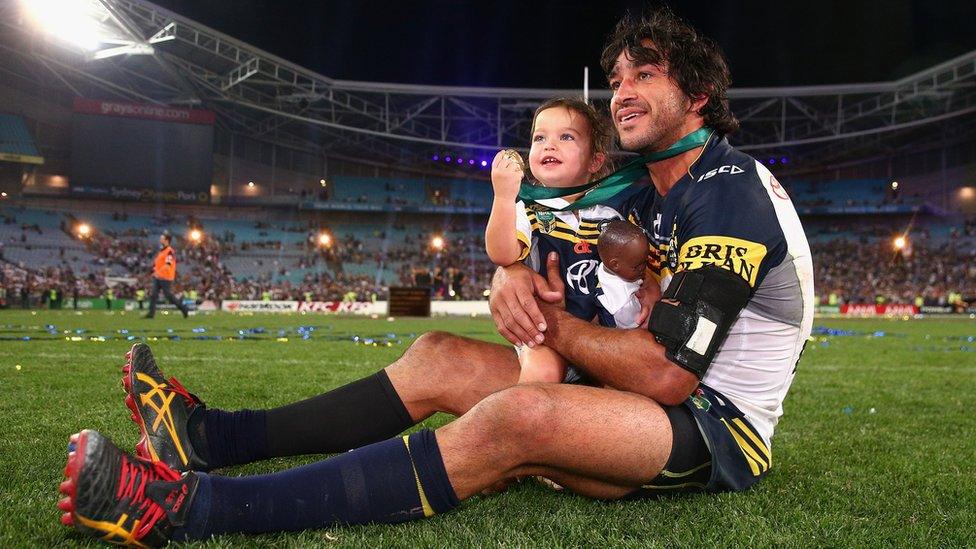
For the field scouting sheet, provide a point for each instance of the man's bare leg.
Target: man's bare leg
(438, 372)
(443, 372)
(597, 442)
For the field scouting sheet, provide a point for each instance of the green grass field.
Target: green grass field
(877, 446)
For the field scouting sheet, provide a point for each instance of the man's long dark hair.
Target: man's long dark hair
(694, 62)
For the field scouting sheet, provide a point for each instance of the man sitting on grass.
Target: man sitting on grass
(688, 404)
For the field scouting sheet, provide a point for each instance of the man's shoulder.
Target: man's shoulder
(726, 166)
(730, 180)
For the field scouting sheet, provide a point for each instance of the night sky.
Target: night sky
(546, 44)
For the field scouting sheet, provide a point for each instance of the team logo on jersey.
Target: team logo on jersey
(547, 221)
(778, 189)
(577, 275)
(700, 401)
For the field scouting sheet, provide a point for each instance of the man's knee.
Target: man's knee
(434, 343)
(432, 351)
(524, 414)
(444, 356)
(449, 373)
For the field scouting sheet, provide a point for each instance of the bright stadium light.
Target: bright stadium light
(84, 230)
(250, 184)
(322, 182)
(325, 240)
(894, 185)
(437, 243)
(196, 235)
(87, 24)
(900, 243)
(73, 21)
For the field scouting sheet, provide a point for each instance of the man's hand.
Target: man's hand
(513, 305)
(556, 293)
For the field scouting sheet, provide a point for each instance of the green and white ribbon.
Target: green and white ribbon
(601, 190)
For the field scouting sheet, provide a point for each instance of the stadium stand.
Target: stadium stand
(244, 258)
(237, 258)
(278, 182)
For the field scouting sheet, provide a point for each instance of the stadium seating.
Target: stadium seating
(247, 251)
(411, 192)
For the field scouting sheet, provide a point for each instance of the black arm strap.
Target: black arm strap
(695, 314)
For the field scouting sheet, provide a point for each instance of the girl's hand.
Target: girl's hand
(507, 172)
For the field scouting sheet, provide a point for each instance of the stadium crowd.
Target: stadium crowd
(855, 262)
(875, 273)
(345, 270)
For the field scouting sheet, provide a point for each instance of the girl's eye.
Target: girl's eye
(536, 138)
(644, 76)
(567, 137)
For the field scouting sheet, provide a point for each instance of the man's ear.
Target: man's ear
(613, 264)
(698, 102)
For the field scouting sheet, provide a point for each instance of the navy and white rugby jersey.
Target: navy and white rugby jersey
(573, 235)
(730, 211)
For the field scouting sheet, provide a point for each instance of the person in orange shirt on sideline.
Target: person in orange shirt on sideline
(164, 272)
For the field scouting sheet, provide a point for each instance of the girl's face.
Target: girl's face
(562, 151)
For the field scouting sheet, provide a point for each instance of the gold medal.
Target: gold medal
(514, 156)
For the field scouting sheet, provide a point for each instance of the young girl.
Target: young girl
(570, 147)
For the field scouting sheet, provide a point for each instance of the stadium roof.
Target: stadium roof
(158, 56)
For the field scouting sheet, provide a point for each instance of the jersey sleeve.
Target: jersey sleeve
(523, 229)
(729, 221)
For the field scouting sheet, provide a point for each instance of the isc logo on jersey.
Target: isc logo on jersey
(577, 273)
(731, 170)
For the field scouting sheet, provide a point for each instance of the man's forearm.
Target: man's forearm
(628, 360)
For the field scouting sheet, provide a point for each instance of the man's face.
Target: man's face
(647, 107)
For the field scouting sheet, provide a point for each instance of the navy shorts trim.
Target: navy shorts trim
(715, 448)
(740, 458)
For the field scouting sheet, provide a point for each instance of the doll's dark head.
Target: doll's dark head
(623, 249)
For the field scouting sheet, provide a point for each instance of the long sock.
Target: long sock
(229, 438)
(396, 480)
(362, 412)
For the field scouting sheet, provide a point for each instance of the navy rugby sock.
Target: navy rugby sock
(396, 480)
(228, 438)
(362, 412)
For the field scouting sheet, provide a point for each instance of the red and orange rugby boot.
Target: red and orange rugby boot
(119, 498)
(161, 408)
